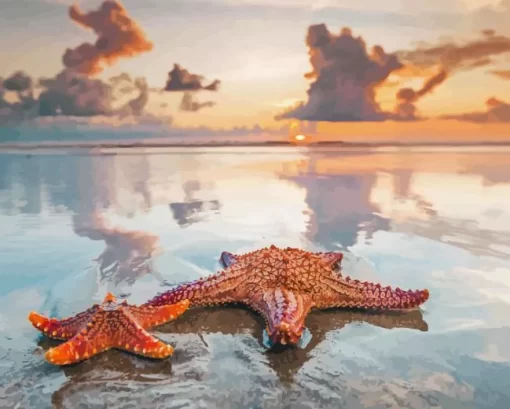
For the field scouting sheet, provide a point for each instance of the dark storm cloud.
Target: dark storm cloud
(190, 105)
(180, 79)
(118, 36)
(345, 78)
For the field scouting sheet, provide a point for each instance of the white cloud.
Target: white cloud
(473, 5)
(397, 6)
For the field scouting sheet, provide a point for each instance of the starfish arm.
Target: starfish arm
(97, 336)
(229, 285)
(62, 329)
(150, 316)
(133, 338)
(214, 290)
(73, 351)
(331, 258)
(228, 259)
(284, 312)
(336, 291)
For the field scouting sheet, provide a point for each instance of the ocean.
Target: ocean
(77, 223)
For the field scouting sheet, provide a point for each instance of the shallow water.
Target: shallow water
(135, 222)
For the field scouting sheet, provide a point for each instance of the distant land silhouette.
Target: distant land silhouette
(160, 144)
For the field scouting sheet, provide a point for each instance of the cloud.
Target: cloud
(493, 15)
(435, 7)
(137, 105)
(146, 128)
(488, 32)
(118, 36)
(18, 82)
(72, 91)
(102, 122)
(16, 97)
(450, 57)
(497, 111)
(457, 57)
(69, 93)
(407, 97)
(480, 63)
(504, 74)
(180, 79)
(73, 94)
(345, 78)
(190, 105)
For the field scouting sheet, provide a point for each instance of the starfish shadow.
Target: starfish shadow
(286, 360)
(109, 368)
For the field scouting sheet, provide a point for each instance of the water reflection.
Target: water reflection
(87, 184)
(192, 210)
(128, 255)
(339, 200)
(353, 196)
(413, 219)
(451, 210)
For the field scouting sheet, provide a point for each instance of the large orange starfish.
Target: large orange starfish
(283, 285)
(109, 325)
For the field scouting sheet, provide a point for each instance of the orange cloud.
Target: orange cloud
(407, 97)
(452, 56)
(118, 36)
(497, 111)
(505, 74)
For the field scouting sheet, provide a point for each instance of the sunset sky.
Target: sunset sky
(258, 51)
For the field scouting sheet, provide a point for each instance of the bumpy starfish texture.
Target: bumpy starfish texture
(283, 285)
(109, 325)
